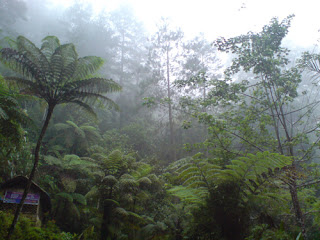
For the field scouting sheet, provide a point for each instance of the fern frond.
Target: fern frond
(33, 53)
(126, 183)
(50, 160)
(121, 211)
(77, 129)
(255, 171)
(111, 202)
(19, 63)
(85, 107)
(69, 184)
(188, 195)
(61, 126)
(79, 198)
(93, 193)
(49, 45)
(136, 216)
(109, 181)
(66, 196)
(144, 181)
(87, 65)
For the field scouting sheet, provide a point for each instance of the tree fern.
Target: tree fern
(69, 183)
(189, 195)
(254, 171)
(57, 75)
(195, 176)
(93, 193)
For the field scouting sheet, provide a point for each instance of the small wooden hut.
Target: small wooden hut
(36, 204)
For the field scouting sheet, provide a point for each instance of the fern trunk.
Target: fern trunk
(35, 165)
(105, 225)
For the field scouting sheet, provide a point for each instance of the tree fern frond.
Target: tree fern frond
(179, 163)
(154, 178)
(85, 107)
(121, 211)
(114, 160)
(50, 160)
(254, 171)
(55, 150)
(87, 65)
(19, 63)
(66, 196)
(68, 52)
(127, 176)
(144, 181)
(3, 114)
(74, 210)
(96, 84)
(93, 193)
(88, 97)
(77, 129)
(61, 126)
(128, 184)
(79, 198)
(33, 53)
(91, 131)
(109, 181)
(135, 215)
(72, 160)
(111, 202)
(69, 184)
(188, 195)
(49, 45)
(70, 61)
(56, 68)
(191, 180)
(190, 171)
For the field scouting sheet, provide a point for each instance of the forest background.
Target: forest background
(212, 139)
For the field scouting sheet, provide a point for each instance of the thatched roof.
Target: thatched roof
(21, 182)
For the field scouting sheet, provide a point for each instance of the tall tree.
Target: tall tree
(201, 65)
(269, 113)
(57, 75)
(129, 57)
(164, 60)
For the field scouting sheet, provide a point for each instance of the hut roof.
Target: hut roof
(21, 181)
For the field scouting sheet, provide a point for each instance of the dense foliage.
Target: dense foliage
(191, 153)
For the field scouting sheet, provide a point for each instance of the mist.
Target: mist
(159, 120)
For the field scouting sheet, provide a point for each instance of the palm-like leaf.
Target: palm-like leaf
(49, 45)
(26, 47)
(56, 73)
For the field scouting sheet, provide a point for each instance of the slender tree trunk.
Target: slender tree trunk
(35, 165)
(105, 233)
(105, 224)
(121, 77)
(172, 137)
(296, 203)
(293, 171)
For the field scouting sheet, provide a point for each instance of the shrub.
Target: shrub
(25, 230)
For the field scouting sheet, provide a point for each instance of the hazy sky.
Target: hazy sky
(224, 17)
